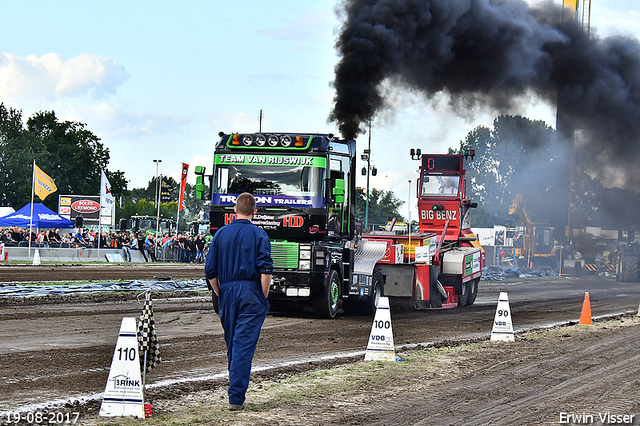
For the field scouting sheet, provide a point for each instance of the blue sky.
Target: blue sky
(159, 79)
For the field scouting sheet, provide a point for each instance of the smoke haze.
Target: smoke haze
(484, 54)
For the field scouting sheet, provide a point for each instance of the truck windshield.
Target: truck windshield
(270, 180)
(439, 186)
(146, 224)
(149, 224)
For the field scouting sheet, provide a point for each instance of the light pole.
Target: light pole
(369, 171)
(409, 205)
(366, 215)
(157, 197)
(409, 224)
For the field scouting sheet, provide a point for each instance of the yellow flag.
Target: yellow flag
(42, 183)
(571, 4)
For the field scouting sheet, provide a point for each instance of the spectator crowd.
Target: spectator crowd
(170, 248)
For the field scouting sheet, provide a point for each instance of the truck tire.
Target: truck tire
(325, 301)
(473, 291)
(369, 306)
(630, 268)
(464, 296)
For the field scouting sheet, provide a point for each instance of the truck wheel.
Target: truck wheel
(472, 288)
(462, 298)
(630, 268)
(369, 306)
(325, 302)
(214, 300)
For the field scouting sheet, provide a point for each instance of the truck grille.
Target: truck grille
(284, 255)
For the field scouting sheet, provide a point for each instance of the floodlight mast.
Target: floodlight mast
(158, 187)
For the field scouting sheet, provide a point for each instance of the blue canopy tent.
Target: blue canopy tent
(43, 217)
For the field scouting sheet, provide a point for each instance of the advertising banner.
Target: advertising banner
(165, 190)
(86, 206)
(300, 201)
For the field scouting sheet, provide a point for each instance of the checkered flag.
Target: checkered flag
(148, 347)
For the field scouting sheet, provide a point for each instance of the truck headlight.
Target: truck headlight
(305, 255)
(304, 292)
(305, 265)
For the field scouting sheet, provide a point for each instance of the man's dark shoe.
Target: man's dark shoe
(236, 407)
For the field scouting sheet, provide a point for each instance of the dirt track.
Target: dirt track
(61, 348)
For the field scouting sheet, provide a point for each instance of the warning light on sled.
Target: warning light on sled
(415, 153)
(469, 153)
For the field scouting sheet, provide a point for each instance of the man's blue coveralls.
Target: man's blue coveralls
(239, 253)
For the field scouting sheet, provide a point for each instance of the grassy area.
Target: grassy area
(268, 396)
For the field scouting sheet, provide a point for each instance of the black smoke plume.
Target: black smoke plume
(484, 54)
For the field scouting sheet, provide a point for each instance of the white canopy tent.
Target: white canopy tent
(6, 211)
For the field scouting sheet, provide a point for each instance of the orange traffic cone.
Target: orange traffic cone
(585, 316)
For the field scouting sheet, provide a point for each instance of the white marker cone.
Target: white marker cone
(123, 394)
(502, 325)
(36, 258)
(380, 347)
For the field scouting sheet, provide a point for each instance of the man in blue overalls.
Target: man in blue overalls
(238, 269)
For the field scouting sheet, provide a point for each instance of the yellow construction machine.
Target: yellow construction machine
(538, 247)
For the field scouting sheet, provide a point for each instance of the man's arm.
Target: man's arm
(264, 261)
(213, 285)
(211, 267)
(266, 283)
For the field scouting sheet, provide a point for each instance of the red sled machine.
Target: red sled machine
(442, 263)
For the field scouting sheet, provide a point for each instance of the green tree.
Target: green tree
(118, 183)
(150, 192)
(192, 204)
(383, 206)
(72, 150)
(18, 150)
(602, 206)
(72, 155)
(517, 155)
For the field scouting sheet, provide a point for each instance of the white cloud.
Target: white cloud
(134, 138)
(117, 122)
(50, 77)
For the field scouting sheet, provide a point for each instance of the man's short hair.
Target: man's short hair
(245, 204)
